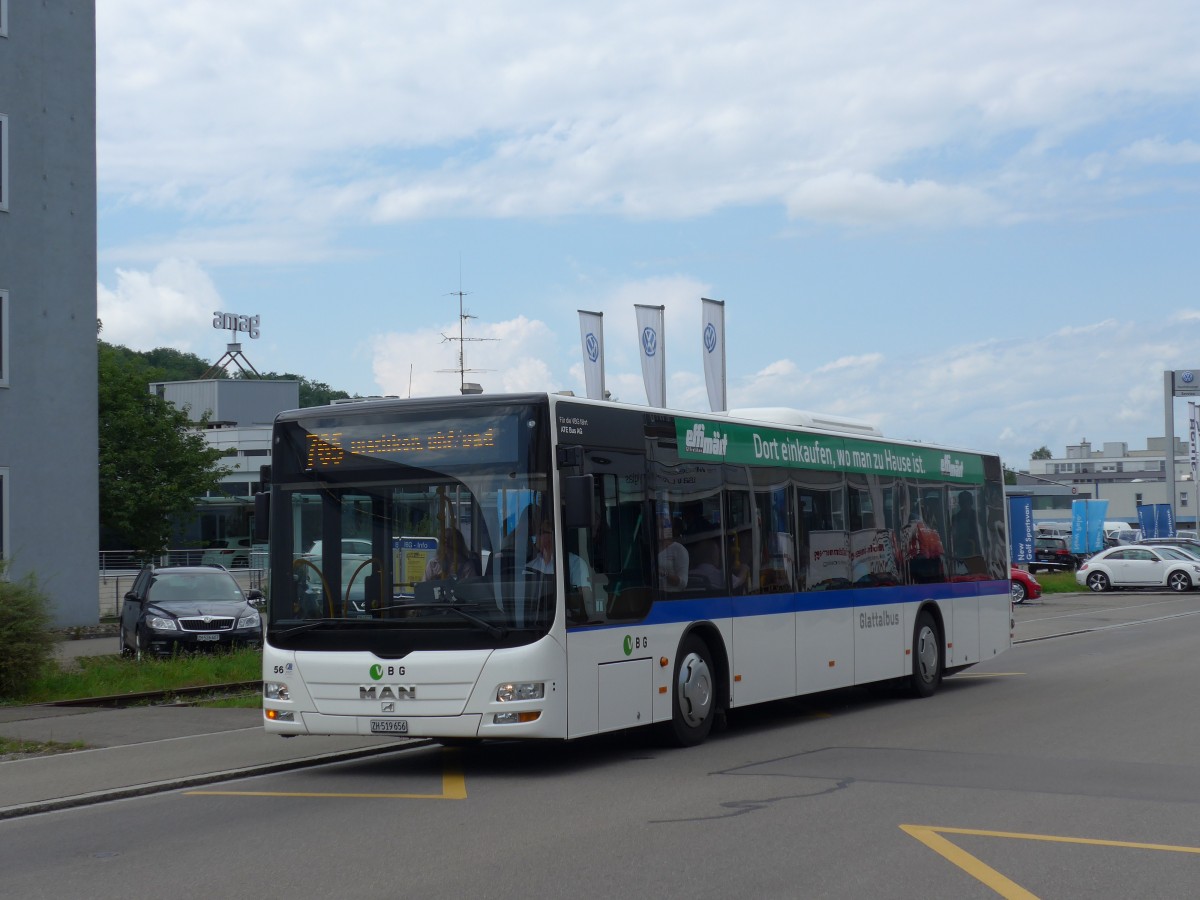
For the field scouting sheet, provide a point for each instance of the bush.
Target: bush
(26, 643)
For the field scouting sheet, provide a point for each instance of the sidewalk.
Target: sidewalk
(147, 749)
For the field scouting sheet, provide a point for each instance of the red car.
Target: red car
(1024, 586)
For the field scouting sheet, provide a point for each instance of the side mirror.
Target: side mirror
(131, 596)
(256, 598)
(577, 501)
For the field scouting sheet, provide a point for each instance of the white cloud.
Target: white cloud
(313, 113)
(156, 309)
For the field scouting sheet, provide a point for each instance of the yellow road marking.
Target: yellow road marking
(932, 838)
(454, 787)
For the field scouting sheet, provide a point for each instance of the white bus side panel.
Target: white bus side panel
(995, 625)
(626, 694)
(763, 647)
(963, 632)
(880, 639)
(824, 650)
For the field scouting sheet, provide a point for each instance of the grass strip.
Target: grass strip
(104, 676)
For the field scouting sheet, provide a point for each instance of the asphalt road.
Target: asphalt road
(1065, 768)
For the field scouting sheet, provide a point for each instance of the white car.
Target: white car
(1139, 566)
(232, 553)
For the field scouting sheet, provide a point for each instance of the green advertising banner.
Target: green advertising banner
(753, 445)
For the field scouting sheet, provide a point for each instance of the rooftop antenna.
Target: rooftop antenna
(464, 386)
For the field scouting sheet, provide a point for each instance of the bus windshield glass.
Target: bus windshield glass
(403, 528)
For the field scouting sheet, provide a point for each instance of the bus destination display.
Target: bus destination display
(473, 441)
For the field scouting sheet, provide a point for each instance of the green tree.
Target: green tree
(1042, 452)
(153, 464)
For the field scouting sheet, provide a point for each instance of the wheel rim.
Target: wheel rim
(927, 654)
(1096, 581)
(694, 689)
(1018, 592)
(1178, 581)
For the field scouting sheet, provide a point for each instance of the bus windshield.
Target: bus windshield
(407, 529)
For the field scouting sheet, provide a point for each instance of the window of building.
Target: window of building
(3, 18)
(3, 162)
(3, 338)
(1183, 498)
(1137, 499)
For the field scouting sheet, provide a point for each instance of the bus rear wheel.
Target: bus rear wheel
(694, 704)
(927, 657)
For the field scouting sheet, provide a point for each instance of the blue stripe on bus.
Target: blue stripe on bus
(707, 608)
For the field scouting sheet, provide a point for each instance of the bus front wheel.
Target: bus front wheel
(927, 657)
(694, 706)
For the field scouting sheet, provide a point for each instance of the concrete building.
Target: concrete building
(241, 413)
(1111, 471)
(49, 507)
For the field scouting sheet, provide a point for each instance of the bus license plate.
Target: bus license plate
(389, 726)
(208, 637)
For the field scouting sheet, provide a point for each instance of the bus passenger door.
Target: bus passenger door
(608, 690)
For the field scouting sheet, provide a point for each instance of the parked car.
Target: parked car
(1186, 543)
(232, 553)
(1024, 586)
(1139, 566)
(1190, 550)
(175, 608)
(1053, 554)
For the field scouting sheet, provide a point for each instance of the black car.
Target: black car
(1053, 554)
(178, 608)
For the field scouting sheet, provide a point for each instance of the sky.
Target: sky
(974, 224)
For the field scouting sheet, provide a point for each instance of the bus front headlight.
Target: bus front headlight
(521, 690)
(276, 690)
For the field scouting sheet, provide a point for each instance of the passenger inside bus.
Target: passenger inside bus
(706, 573)
(452, 560)
(672, 558)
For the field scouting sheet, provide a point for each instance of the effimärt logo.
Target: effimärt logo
(951, 467)
(698, 441)
(376, 672)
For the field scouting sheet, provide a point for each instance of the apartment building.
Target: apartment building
(49, 510)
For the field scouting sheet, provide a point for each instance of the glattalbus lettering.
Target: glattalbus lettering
(882, 619)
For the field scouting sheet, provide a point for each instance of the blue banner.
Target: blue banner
(1156, 520)
(1020, 530)
(1087, 525)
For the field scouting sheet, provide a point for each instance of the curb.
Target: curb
(158, 787)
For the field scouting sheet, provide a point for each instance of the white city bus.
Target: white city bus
(543, 566)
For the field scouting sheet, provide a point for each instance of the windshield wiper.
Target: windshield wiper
(310, 624)
(495, 631)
